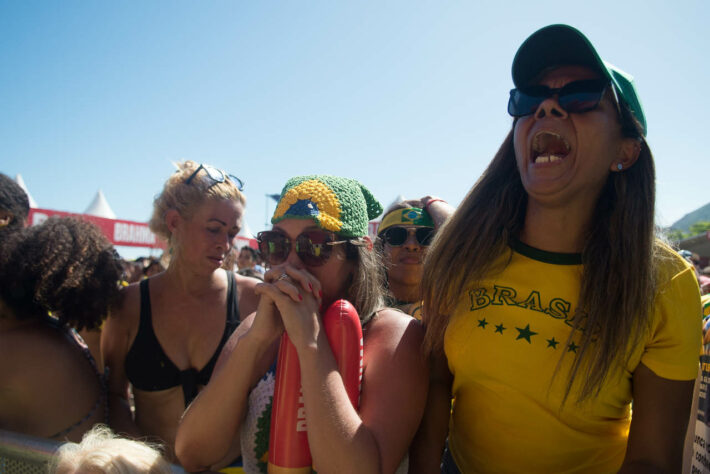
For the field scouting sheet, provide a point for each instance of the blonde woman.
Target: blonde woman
(166, 336)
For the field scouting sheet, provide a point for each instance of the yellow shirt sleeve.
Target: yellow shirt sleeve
(674, 344)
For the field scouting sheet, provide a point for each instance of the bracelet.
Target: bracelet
(426, 206)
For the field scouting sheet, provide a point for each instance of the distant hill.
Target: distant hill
(700, 214)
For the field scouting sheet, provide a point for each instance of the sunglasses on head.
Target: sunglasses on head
(575, 97)
(313, 247)
(398, 235)
(217, 176)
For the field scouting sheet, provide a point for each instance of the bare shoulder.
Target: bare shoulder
(393, 330)
(122, 324)
(129, 305)
(245, 281)
(248, 300)
(40, 352)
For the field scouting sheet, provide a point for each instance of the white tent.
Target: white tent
(99, 207)
(245, 230)
(21, 183)
(396, 200)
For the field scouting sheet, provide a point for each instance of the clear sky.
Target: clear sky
(408, 97)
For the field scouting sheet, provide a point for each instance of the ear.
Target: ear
(368, 242)
(173, 219)
(628, 154)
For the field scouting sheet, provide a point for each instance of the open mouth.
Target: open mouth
(548, 147)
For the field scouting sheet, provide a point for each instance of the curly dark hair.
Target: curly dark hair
(14, 200)
(64, 266)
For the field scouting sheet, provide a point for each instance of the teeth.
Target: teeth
(547, 159)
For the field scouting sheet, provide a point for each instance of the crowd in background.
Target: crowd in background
(554, 244)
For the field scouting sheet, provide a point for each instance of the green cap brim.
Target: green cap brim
(558, 45)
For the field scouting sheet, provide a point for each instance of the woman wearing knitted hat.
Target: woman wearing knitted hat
(549, 304)
(167, 335)
(319, 252)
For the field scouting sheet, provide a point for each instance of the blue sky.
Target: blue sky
(408, 97)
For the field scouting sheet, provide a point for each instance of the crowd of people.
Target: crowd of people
(512, 333)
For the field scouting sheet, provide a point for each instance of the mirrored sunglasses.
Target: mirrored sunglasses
(575, 97)
(398, 235)
(313, 247)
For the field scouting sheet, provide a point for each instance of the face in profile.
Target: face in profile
(204, 239)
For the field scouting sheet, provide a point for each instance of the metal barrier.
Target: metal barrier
(23, 454)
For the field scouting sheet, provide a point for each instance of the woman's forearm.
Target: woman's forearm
(430, 440)
(339, 440)
(211, 423)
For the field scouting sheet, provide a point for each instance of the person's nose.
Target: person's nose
(550, 107)
(411, 242)
(293, 258)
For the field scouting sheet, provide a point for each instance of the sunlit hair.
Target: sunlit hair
(366, 290)
(619, 258)
(103, 452)
(185, 198)
(65, 266)
(14, 200)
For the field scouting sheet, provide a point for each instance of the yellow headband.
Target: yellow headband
(408, 216)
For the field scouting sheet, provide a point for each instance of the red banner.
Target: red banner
(119, 232)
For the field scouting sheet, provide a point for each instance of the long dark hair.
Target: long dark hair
(619, 258)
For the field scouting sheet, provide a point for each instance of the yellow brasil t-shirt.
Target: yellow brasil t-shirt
(503, 344)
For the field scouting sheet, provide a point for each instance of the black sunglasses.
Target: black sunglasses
(397, 235)
(217, 176)
(575, 97)
(313, 247)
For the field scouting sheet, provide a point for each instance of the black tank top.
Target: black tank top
(148, 368)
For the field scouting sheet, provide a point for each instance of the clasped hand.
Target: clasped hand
(290, 299)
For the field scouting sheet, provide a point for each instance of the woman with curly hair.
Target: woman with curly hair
(319, 252)
(166, 336)
(61, 274)
(550, 305)
(14, 205)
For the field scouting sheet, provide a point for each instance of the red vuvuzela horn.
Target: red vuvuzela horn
(288, 440)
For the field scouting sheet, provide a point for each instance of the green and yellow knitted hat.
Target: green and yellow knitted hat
(340, 205)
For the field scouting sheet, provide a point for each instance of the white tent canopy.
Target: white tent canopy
(245, 231)
(99, 207)
(21, 183)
